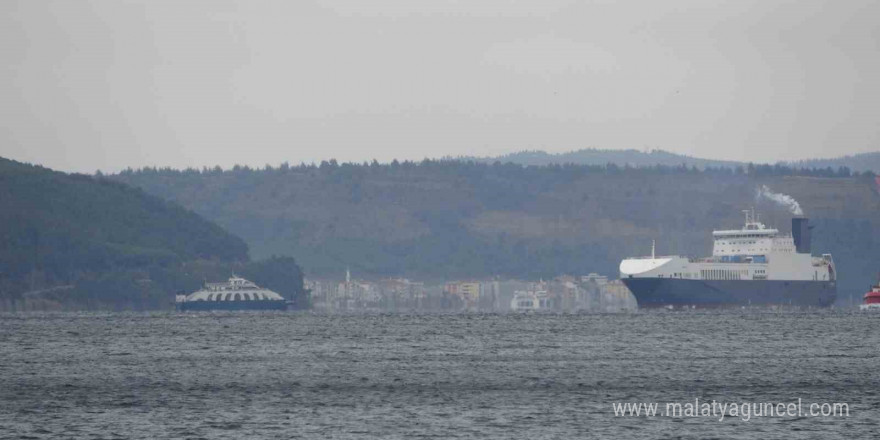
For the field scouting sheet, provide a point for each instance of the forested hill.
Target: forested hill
(634, 158)
(92, 242)
(450, 219)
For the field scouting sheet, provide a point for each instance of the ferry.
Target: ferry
(235, 294)
(751, 266)
(530, 301)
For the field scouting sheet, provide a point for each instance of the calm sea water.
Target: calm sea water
(280, 375)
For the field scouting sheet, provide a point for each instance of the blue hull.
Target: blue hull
(232, 305)
(660, 292)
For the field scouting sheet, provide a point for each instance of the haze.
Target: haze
(111, 84)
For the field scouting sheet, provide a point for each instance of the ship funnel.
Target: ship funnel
(800, 231)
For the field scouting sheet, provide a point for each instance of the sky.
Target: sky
(110, 84)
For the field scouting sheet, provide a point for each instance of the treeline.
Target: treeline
(512, 169)
(92, 242)
(593, 156)
(858, 162)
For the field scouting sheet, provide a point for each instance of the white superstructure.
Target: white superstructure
(754, 252)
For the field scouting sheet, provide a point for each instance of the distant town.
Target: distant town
(563, 294)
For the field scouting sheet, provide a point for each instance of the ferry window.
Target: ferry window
(237, 297)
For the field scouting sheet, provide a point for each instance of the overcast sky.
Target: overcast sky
(88, 85)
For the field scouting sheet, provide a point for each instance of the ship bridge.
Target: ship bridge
(754, 239)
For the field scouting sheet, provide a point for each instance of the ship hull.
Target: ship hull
(231, 305)
(662, 292)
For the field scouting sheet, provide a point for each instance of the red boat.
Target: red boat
(872, 298)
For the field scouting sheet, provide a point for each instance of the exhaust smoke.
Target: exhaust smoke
(763, 192)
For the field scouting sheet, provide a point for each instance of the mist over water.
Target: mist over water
(287, 375)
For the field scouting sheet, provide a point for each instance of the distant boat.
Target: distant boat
(530, 301)
(872, 298)
(235, 294)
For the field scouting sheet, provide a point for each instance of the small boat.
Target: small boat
(872, 298)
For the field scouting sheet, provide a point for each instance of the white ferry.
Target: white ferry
(235, 294)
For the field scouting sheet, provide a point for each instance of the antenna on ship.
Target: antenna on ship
(653, 243)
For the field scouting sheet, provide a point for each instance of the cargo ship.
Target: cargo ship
(235, 294)
(751, 266)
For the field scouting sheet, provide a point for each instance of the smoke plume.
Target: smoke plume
(783, 199)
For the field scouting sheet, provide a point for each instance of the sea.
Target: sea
(284, 375)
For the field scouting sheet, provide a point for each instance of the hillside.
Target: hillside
(634, 158)
(449, 219)
(89, 242)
